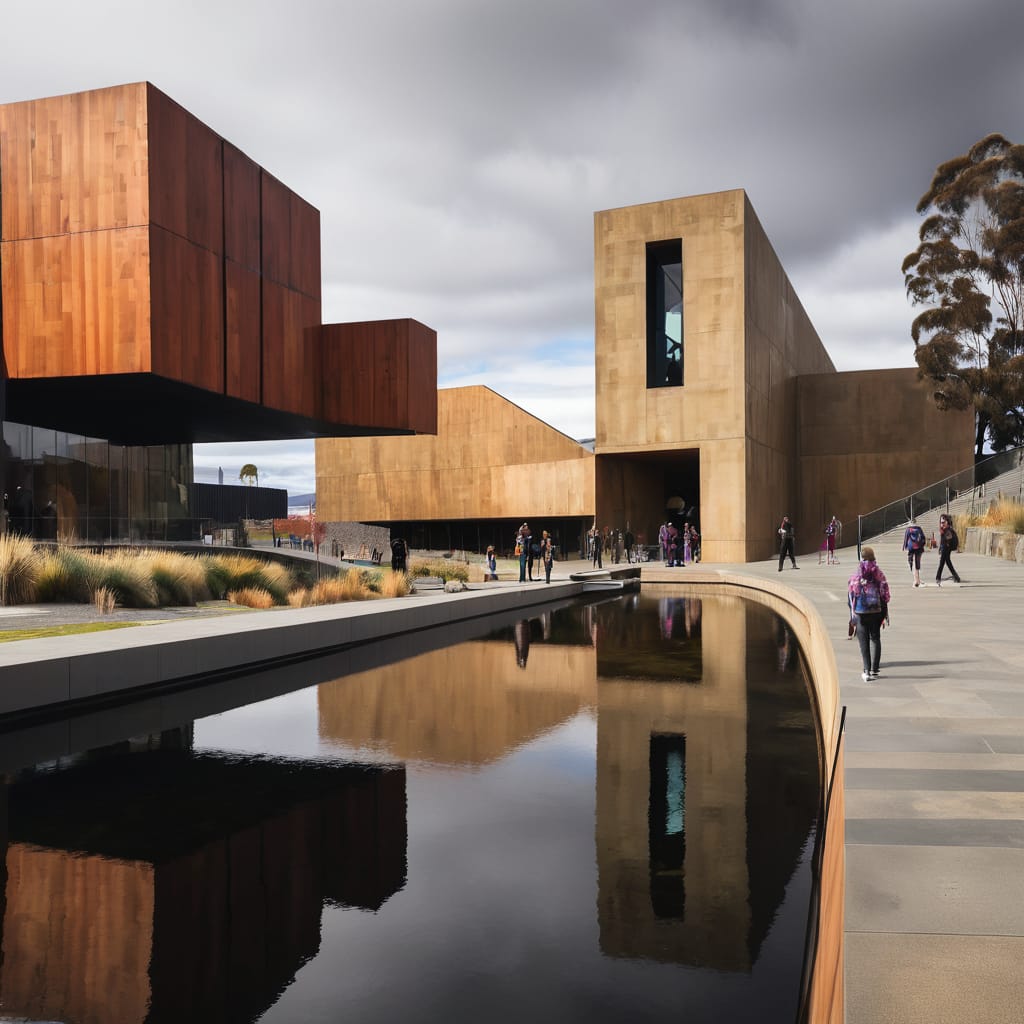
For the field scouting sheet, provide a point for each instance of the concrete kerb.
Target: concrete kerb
(46, 672)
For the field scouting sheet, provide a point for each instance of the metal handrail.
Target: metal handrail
(959, 492)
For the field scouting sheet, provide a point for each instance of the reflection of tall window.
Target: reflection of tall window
(666, 824)
(665, 314)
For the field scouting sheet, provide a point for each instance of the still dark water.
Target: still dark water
(606, 812)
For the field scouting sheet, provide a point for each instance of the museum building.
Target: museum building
(716, 402)
(159, 288)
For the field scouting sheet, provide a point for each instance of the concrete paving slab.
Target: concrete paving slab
(885, 803)
(953, 890)
(898, 978)
(973, 831)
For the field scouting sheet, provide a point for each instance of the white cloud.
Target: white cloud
(457, 150)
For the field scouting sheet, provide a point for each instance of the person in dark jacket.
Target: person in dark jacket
(786, 537)
(948, 542)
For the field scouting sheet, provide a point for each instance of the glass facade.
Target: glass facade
(61, 485)
(665, 314)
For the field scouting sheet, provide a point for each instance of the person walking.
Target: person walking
(868, 597)
(831, 533)
(786, 536)
(914, 541)
(595, 546)
(948, 543)
(547, 554)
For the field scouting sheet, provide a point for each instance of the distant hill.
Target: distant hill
(300, 500)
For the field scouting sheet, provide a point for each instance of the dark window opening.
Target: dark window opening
(666, 823)
(665, 314)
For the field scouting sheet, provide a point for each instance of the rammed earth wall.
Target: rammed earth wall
(982, 540)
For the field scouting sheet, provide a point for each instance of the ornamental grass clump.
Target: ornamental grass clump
(19, 570)
(238, 572)
(395, 584)
(124, 573)
(353, 587)
(180, 579)
(66, 575)
(104, 600)
(1002, 514)
(252, 597)
(443, 570)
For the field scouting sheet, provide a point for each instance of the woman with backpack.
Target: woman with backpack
(868, 595)
(914, 541)
(948, 542)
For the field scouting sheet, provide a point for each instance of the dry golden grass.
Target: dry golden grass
(441, 568)
(395, 584)
(19, 570)
(1002, 514)
(104, 600)
(180, 579)
(252, 597)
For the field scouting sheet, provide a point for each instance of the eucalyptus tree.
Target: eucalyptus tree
(969, 272)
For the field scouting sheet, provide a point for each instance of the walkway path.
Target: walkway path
(934, 791)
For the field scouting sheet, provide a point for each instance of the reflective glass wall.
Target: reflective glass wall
(57, 484)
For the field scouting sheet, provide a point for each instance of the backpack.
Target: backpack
(398, 546)
(954, 541)
(915, 538)
(868, 598)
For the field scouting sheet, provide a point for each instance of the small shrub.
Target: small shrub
(105, 600)
(252, 597)
(19, 570)
(298, 598)
(444, 570)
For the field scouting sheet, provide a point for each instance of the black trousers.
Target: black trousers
(869, 636)
(786, 551)
(944, 562)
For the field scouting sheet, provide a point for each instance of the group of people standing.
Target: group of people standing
(530, 550)
(613, 544)
(679, 546)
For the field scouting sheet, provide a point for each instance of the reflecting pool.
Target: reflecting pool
(606, 812)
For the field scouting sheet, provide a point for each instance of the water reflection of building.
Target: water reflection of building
(468, 704)
(706, 794)
(167, 886)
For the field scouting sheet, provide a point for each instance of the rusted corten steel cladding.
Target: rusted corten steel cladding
(160, 286)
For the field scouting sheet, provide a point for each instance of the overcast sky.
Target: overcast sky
(457, 149)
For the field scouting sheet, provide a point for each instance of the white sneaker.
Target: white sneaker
(866, 676)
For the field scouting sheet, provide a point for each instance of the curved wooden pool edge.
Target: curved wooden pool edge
(824, 1001)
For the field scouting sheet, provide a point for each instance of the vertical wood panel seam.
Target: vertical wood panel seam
(259, 353)
(223, 273)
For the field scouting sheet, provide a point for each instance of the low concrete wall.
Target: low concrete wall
(91, 667)
(983, 540)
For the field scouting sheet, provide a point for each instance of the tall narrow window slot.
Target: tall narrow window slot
(665, 314)
(666, 822)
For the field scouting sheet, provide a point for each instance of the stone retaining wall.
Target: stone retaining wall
(983, 540)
